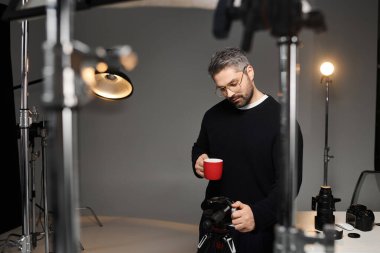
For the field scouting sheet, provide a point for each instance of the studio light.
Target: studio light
(105, 71)
(107, 83)
(327, 69)
(112, 85)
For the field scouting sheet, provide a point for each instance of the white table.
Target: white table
(369, 242)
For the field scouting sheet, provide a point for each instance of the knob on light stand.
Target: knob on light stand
(325, 202)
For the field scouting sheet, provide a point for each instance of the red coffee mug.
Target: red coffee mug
(213, 168)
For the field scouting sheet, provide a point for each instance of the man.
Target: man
(244, 131)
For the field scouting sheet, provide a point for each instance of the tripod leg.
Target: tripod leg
(204, 244)
(230, 244)
(96, 218)
(204, 238)
(81, 246)
(93, 213)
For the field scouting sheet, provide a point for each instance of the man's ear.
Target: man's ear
(250, 72)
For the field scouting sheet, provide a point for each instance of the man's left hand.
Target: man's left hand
(242, 218)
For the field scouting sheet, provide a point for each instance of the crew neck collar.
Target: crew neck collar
(254, 104)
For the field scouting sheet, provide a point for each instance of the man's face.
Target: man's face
(236, 86)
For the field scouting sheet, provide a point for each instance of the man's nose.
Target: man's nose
(230, 93)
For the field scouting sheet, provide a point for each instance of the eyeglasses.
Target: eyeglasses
(234, 86)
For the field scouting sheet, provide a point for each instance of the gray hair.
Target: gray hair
(227, 57)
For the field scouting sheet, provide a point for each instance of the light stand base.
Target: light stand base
(293, 240)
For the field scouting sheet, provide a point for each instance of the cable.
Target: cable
(29, 83)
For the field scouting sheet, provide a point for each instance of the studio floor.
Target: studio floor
(125, 234)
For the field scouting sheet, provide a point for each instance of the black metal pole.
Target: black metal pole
(326, 157)
(327, 115)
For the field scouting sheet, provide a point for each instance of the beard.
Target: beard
(240, 100)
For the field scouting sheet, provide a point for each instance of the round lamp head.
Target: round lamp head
(112, 85)
(327, 69)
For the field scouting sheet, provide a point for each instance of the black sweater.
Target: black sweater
(248, 141)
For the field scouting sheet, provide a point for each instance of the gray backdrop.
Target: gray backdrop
(135, 154)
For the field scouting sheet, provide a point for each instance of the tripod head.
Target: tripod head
(217, 223)
(217, 213)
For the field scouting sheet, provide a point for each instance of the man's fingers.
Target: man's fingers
(240, 225)
(204, 156)
(237, 221)
(237, 204)
(236, 214)
(199, 165)
(199, 170)
(242, 218)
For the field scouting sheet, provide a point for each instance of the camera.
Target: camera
(360, 217)
(281, 17)
(216, 213)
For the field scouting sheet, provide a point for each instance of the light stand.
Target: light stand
(61, 98)
(288, 237)
(326, 156)
(324, 203)
(28, 240)
(285, 19)
(24, 139)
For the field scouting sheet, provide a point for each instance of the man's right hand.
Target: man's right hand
(199, 165)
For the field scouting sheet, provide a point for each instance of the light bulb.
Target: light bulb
(327, 68)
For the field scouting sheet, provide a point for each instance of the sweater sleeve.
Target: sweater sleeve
(266, 212)
(200, 147)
